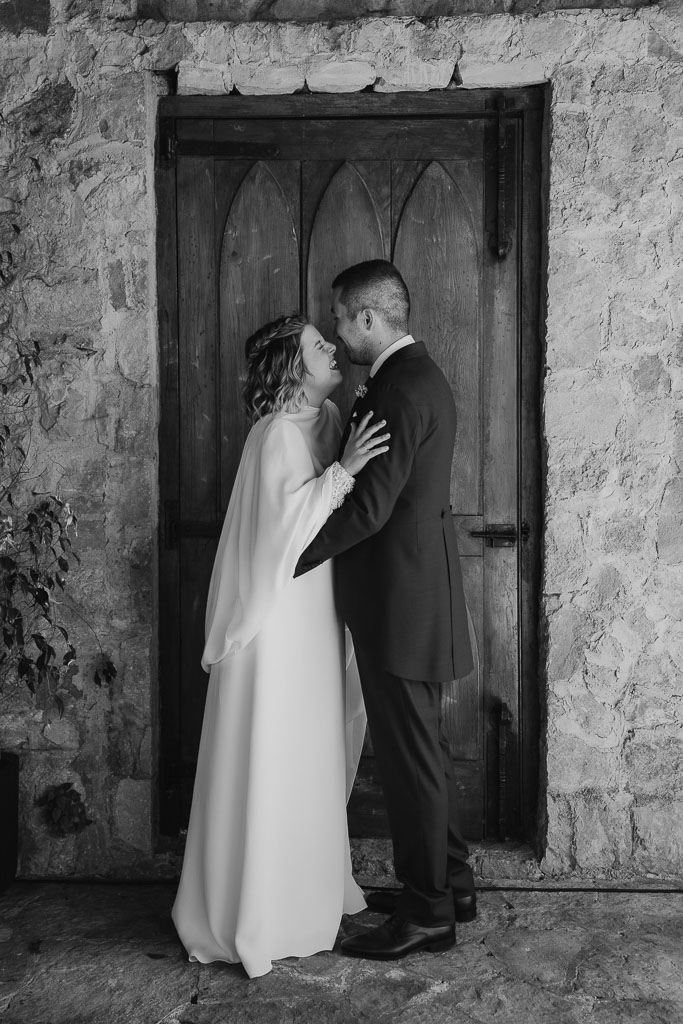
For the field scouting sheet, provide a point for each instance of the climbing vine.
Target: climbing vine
(36, 548)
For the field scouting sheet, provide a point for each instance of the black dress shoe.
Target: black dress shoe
(396, 938)
(384, 902)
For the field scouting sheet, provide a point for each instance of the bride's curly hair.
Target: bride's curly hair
(275, 367)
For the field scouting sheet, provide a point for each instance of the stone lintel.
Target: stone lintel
(340, 76)
(203, 78)
(477, 75)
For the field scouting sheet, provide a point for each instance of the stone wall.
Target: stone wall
(79, 89)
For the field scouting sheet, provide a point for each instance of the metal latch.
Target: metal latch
(501, 535)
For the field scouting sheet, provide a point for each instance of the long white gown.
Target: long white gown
(267, 868)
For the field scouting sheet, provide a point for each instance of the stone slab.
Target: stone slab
(319, 10)
(73, 953)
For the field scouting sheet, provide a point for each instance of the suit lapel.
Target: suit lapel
(362, 403)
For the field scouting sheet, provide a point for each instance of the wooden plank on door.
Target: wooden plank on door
(501, 481)
(450, 103)
(438, 254)
(169, 485)
(198, 415)
(345, 221)
(258, 282)
(364, 139)
(530, 512)
(461, 702)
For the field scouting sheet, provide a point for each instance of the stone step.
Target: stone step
(494, 864)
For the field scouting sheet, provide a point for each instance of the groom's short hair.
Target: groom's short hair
(375, 284)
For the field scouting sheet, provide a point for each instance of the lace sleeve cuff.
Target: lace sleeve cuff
(342, 484)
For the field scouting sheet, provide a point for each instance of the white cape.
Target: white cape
(267, 870)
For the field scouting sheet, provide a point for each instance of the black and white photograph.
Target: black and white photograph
(341, 511)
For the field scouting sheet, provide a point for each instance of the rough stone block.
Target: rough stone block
(573, 765)
(654, 759)
(414, 76)
(670, 527)
(128, 729)
(591, 721)
(69, 306)
(606, 587)
(31, 15)
(582, 322)
(258, 81)
(603, 836)
(480, 74)
(568, 632)
(340, 76)
(166, 46)
(119, 49)
(133, 813)
(203, 78)
(117, 285)
(671, 90)
(649, 376)
(47, 114)
(565, 568)
(570, 404)
(62, 733)
(558, 859)
(659, 837)
(572, 87)
(133, 355)
(121, 107)
(560, 37)
(569, 145)
(619, 41)
(621, 534)
(214, 45)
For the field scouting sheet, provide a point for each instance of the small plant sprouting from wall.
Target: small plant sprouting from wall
(64, 810)
(36, 552)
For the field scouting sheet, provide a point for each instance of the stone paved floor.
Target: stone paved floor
(90, 954)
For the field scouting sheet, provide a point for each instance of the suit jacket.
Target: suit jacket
(397, 565)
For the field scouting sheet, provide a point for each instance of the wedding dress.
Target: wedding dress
(267, 868)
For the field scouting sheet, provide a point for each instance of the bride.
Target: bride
(267, 868)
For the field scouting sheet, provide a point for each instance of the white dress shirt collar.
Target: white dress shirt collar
(408, 339)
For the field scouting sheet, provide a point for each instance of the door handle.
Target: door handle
(501, 535)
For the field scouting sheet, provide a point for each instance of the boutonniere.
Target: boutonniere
(361, 391)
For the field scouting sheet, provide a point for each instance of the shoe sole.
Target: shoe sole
(432, 947)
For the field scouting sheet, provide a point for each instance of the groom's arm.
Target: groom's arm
(378, 485)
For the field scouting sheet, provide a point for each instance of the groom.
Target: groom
(400, 592)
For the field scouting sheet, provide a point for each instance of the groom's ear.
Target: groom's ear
(368, 318)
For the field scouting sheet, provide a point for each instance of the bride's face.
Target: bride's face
(322, 372)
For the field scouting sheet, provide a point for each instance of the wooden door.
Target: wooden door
(261, 204)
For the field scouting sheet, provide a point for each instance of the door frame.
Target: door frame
(499, 107)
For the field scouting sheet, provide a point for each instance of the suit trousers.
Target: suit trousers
(430, 855)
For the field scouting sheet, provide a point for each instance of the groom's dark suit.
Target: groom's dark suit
(400, 592)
